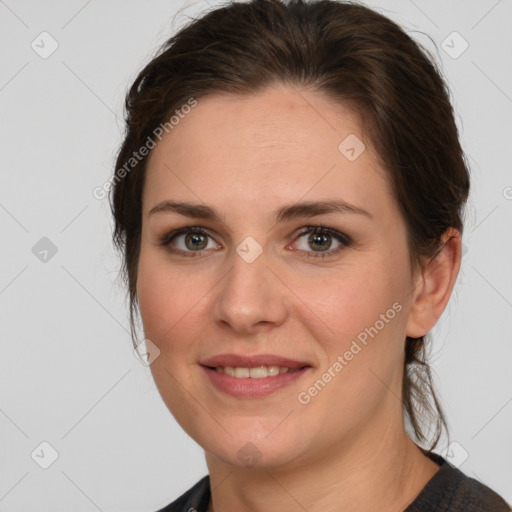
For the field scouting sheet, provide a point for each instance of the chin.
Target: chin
(251, 456)
(254, 449)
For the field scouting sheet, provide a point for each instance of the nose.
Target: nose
(251, 297)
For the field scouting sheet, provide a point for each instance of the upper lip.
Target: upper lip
(241, 361)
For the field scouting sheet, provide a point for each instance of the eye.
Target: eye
(321, 238)
(190, 241)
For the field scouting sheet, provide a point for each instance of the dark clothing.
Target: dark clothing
(449, 490)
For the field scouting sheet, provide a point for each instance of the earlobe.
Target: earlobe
(434, 285)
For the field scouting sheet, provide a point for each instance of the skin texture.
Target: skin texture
(247, 156)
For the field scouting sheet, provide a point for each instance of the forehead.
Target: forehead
(274, 146)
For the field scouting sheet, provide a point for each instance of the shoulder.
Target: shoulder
(196, 499)
(450, 490)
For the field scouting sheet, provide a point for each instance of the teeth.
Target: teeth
(259, 372)
(242, 372)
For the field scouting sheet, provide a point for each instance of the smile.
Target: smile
(258, 372)
(256, 382)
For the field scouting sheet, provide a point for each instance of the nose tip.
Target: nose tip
(250, 297)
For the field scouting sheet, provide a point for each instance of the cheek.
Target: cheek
(174, 303)
(167, 303)
(348, 303)
(359, 322)
(163, 297)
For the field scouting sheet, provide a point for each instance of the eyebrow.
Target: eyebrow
(285, 213)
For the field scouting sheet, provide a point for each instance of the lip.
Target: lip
(248, 387)
(241, 361)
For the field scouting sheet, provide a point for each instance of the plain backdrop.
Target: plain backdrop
(72, 394)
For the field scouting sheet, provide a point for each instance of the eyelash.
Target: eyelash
(345, 240)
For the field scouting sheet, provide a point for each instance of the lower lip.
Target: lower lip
(249, 387)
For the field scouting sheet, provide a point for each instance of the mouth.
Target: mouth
(256, 372)
(238, 361)
(254, 376)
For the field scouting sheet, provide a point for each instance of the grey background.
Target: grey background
(68, 376)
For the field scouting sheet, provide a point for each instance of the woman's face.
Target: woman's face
(256, 283)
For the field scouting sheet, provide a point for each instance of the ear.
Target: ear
(434, 285)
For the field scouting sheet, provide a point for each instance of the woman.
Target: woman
(288, 203)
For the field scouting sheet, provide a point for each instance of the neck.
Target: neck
(377, 470)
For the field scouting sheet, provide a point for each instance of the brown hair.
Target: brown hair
(357, 57)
